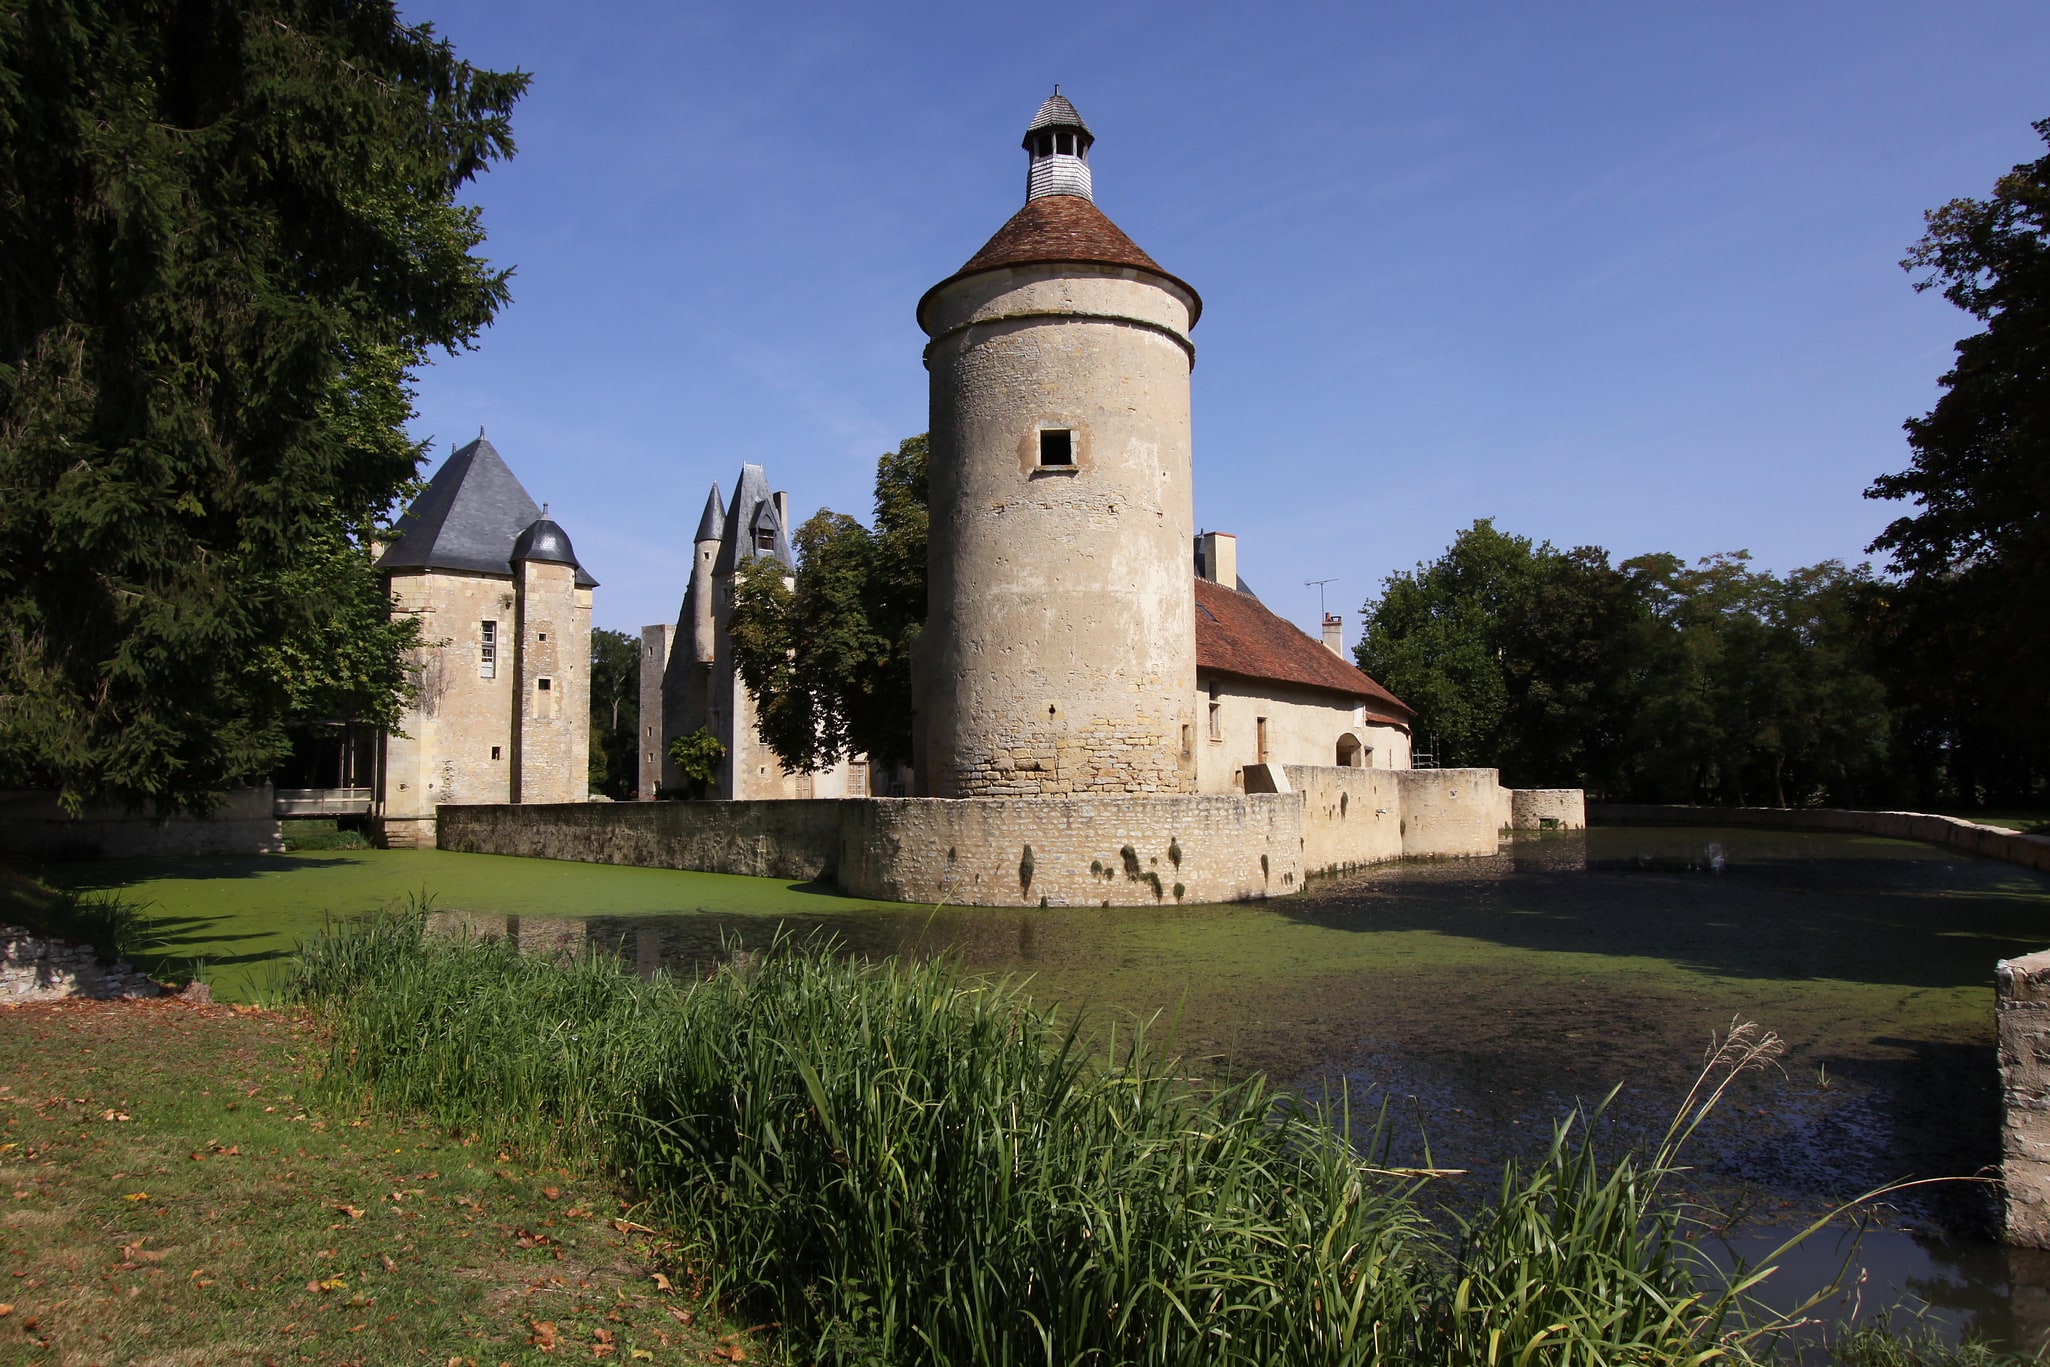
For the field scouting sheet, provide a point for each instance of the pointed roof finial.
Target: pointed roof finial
(480, 429)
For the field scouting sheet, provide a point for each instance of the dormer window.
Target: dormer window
(765, 538)
(1056, 448)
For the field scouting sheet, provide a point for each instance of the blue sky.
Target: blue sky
(1623, 275)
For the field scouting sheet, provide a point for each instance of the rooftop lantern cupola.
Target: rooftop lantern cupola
(1057, 142)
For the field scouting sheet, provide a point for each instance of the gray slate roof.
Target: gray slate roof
(1056, 113)
(752, 508)
(713, 524)
(467, 518)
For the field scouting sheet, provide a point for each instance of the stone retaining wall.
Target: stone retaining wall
(1531, 808)
(1220, 847)
(1955, 833)
(1085, 851)
(1351, 817)
(1452, 812)
(795, 839)
(33, 824)
(2022, 1006)
(34, 969)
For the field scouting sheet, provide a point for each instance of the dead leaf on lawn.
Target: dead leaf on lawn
(136, 1196)
(661, 1282)
(544, 1336)
(353, 1212)
(552, 1193)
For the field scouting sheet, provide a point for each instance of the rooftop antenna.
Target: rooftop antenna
(1318, 585)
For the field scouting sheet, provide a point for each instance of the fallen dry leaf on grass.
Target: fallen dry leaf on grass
(353, 1212)
(545, 1336)
(661, 1282)
(552, 1193)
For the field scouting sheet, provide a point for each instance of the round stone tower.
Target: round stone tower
(1059, 654)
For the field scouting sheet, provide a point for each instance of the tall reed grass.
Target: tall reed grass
(898, 1164)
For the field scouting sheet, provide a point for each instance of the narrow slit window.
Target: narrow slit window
(487, 650)
(495, 752)
(1057, 448)
(1260, 738)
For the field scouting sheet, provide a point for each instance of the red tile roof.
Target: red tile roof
(1060, 228)
(1236, 634)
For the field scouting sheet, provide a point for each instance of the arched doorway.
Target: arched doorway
(1350, 752)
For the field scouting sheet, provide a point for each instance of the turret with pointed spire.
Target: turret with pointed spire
(1058, 656)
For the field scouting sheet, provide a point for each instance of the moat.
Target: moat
(1478, 999)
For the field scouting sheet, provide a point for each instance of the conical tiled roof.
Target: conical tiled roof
(467, 518)
(1056, 229)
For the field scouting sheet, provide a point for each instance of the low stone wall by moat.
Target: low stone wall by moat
(1951, 832)
(1078, 851)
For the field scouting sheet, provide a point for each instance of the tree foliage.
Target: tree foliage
(827, 655)
(615, 713)
(228, 228)
(1969, 626)
(1653, 679)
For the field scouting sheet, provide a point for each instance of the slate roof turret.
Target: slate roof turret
(753, 510)
(544, 542)
(468, 518)
(713, 524)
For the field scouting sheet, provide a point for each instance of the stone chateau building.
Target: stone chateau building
(1104, 712)
(688, 678)
(1069, 647)
(504, 713)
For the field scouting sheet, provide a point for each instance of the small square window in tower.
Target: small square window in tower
(1056, 447)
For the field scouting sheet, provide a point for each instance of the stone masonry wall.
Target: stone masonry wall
(775, 839)
(1955, 833)
(2022, 1006)
(972, 851)
(34, 969)
(32, 823)
(1450, 812)
(1351, 817)
(1059, 649)
(1530, 808)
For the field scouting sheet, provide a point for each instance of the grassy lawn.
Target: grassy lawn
(170, 1195)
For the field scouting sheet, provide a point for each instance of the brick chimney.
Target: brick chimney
(1334, 634)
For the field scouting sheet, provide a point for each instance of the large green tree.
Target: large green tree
(1970, 626)
(615, 713)
(828, 654)
(1654, 680)
(228, 229)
